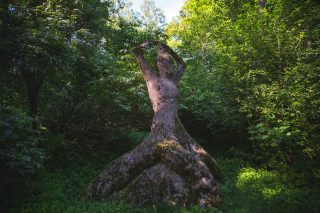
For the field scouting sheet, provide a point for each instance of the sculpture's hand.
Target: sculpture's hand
(148, 44)
(144, 45)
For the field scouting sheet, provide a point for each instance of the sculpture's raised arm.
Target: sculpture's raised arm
(146, 69)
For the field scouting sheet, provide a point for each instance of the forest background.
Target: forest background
(72, 98)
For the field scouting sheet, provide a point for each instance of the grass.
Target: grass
(249, 189)
(60, 187)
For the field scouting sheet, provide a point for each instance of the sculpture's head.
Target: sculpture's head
(165, 62)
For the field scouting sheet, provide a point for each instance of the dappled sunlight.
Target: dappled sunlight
(268, 183)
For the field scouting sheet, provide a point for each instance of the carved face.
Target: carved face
(164, 62)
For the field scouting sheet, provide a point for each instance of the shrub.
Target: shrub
(19, 150)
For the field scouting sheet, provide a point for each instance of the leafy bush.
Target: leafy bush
(285, 127)
(19, 144)
(256, 69)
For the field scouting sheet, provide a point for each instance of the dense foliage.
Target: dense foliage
(261, 65)
(72, 97)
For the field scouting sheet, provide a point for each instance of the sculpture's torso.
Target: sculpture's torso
(163, 93)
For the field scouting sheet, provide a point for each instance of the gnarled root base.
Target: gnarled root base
(160, 172)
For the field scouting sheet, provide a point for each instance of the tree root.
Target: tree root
(160, 172)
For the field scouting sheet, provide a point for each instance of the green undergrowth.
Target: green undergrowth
(60, 187)
(249, 189)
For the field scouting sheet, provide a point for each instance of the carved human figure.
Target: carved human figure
(168, 166)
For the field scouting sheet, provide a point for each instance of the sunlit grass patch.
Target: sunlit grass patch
(248, 189)
(268, 183)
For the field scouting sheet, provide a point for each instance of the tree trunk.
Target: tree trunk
(168, 166)
(33, 83)
(261, 5)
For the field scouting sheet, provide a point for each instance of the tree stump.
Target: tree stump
(167, 167)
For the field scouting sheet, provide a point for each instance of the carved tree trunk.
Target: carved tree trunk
(168, 166)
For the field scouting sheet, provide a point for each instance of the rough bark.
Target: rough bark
(168, 166)
(33, 82)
